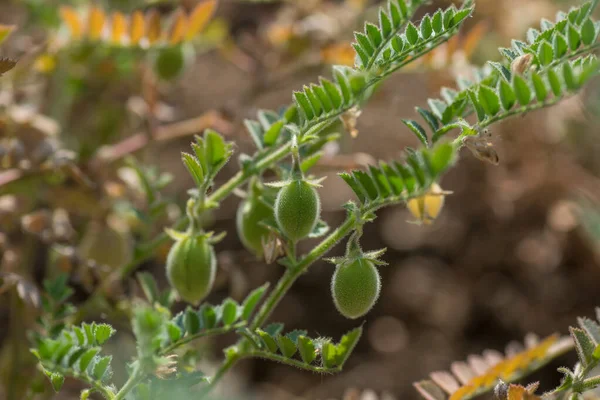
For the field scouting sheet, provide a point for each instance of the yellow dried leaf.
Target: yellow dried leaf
(70, 18)
(178, 27)
(96, 20)
(153, 28)
(507, 370)
(338, 53)
(118, 28)
(137, 28)
(200, 17)
(5, 30)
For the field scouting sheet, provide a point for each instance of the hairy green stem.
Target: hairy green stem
(291, 274)
(136, 376)
(201, 334)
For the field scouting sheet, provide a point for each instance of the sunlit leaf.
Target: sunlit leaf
(178, 27)
(153, 26)
(71, 18)
(137, 27)
(200, 17)
(118, 27)
(96, 19)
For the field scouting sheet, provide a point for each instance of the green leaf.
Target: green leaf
(252, 301)
(229, 312)
(440, 157)
(365, 181)
(448, 17)
(101, 367)
(354, 185)
(268, 340)
(87, 357)
(522, 90)
(476, 105)
(89, 333)
(75, 356)
(307, 349)
(286, 345)
(364, 43)
(460, 16)
(344, 85)
(545, 53)
(438, 107)
(426, 28)
(267, 118)
(393, 178)
(412, 34)
(333, 92)
(80, 335)
(588, 32)
(429, 118)
(57, 380)
(193, 167)
(255, 131)
(273, 132)
(385, 23)
(374, 34)
(395, 14)
(346, 345)
(397, 44)
(274, 329)
(554, 81)
(103, 332)
(436, 22)
(507, 95)
(569, 77)
(502, 69)
(314, 101)
(591, 328)
(216, 149)
(573, 38)
(304, 104)
(489, 100)
(323, 97)
(174, 332)
(191, 321)
(539, 87)
(559, 45)
(310, 161)
(417, 130)
(584, 345)
(209, 316)
(328, 354)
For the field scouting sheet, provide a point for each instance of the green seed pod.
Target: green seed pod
(250, 213)
(355, 287)
(297, 209)
(191, 267)
(171, 61)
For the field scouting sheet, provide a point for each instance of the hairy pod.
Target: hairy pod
(191, 267)
(297, 209)
(250, 213)
(355, 287)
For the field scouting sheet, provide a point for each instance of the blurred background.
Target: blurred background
(514, 251)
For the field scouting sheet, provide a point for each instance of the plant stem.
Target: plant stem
(226, 366)
(291, 274)
(201, 334)
(136, 376)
